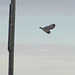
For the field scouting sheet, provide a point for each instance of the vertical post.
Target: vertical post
(11, 37)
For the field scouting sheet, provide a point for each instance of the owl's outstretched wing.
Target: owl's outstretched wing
(50, 27)
(47, 31)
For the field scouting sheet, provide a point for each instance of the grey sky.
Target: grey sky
(4, 3)
(40, 59)
(50, 11)
(47, 5)
(42, 6)
(44, 56)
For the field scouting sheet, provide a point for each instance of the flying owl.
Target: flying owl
(48, 28)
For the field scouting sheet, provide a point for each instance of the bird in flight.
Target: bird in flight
(48, 28)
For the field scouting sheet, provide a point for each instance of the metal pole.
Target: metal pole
(11, 37)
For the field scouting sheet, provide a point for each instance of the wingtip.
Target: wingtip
(53, 24)
(40, 27)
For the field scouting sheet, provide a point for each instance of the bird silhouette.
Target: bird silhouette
(48, 28)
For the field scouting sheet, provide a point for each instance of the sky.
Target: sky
(30, 15)
(40, 52)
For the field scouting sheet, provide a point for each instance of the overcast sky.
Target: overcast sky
(36, 52)
(30, 15)
(42, 59)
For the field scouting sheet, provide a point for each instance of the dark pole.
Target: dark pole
(11, 37)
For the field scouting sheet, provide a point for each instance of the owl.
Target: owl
(48, 28)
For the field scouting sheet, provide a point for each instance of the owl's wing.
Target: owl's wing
(47, 31)
(51, 26)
